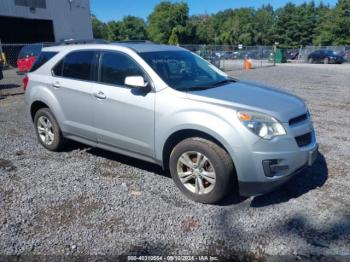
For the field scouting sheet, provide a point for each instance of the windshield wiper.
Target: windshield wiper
(197, 88)
(223, 82)
(219, 83)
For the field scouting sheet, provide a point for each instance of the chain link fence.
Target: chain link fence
(300, 55)
(229, 58)
(225, 57)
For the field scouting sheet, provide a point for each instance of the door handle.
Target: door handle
(100, 95)
(56, 84)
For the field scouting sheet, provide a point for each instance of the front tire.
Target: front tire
(202, 170)
(48, 131)
(326, 61)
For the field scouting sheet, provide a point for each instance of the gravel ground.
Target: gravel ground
(89, 201)
(11, 84)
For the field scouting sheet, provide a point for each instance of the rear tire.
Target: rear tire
(48, 131)
(311, 61)
(208, 175)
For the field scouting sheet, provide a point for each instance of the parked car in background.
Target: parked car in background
(325, 56)
(292, 54)
(345, 54)
(231, 55)
(27, 57)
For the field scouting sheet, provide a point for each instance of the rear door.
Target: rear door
(73, 83)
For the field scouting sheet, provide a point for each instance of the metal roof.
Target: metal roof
(147, 47)
(135, 46)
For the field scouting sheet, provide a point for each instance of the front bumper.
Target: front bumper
(260, 188)
(252, 177)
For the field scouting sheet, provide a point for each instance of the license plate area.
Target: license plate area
(313, 156)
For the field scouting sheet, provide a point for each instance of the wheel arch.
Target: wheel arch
(182, 134)
(35, 106)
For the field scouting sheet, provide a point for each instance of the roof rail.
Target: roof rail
(133, 42)
(82, 41)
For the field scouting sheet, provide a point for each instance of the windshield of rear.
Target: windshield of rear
(183, 70)
(30, 50)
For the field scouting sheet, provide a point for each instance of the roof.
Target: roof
(137, 47)
(146, 47)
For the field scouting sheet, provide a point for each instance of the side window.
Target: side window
(78, 65)
(57, 70)
(115, 67)
(42, 59)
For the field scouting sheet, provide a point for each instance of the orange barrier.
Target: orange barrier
(248, 64)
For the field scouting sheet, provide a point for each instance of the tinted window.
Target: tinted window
(57, 70)
(42, 59)
(115, 67)
(78, 65)
(30, 50)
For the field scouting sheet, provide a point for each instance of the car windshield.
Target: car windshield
(184, 70)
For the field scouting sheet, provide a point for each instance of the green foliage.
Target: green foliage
(264, 26)
(165, 17)
(342, 23)
(132, 28)
(324, 31)
(99, 29)
(291, 25)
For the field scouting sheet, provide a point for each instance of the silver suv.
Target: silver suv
(166, 105)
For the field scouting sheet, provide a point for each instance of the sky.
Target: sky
(107, 10)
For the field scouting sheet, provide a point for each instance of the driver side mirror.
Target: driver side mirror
(137, 82)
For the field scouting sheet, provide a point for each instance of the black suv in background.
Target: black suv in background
(325, 56)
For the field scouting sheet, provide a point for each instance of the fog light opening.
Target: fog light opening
(273, 166)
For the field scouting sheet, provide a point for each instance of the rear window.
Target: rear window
(78, 65)
(42, 59)
(30, 50)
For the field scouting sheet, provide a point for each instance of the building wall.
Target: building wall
(71, 18)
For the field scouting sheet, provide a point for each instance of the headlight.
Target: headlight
(262, 125)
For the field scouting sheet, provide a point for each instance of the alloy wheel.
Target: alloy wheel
(45, 130)
(196, 172)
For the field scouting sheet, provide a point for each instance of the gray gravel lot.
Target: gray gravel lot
(11, 84)
(89, 201)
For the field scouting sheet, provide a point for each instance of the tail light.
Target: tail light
(25, 82)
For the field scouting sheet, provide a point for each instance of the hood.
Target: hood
(244, 95)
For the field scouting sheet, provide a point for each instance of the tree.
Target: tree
(291, 25)
(202, 30)
(238, 27)
(342, 23)
(133, 28)
(286, 25)
(165, 17)
(99, 29)
(264, 26)
(173, 40)
(324, 31)
(114, 31)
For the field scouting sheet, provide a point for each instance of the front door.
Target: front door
(123, 116)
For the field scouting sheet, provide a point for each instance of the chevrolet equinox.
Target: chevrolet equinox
(166, 105)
